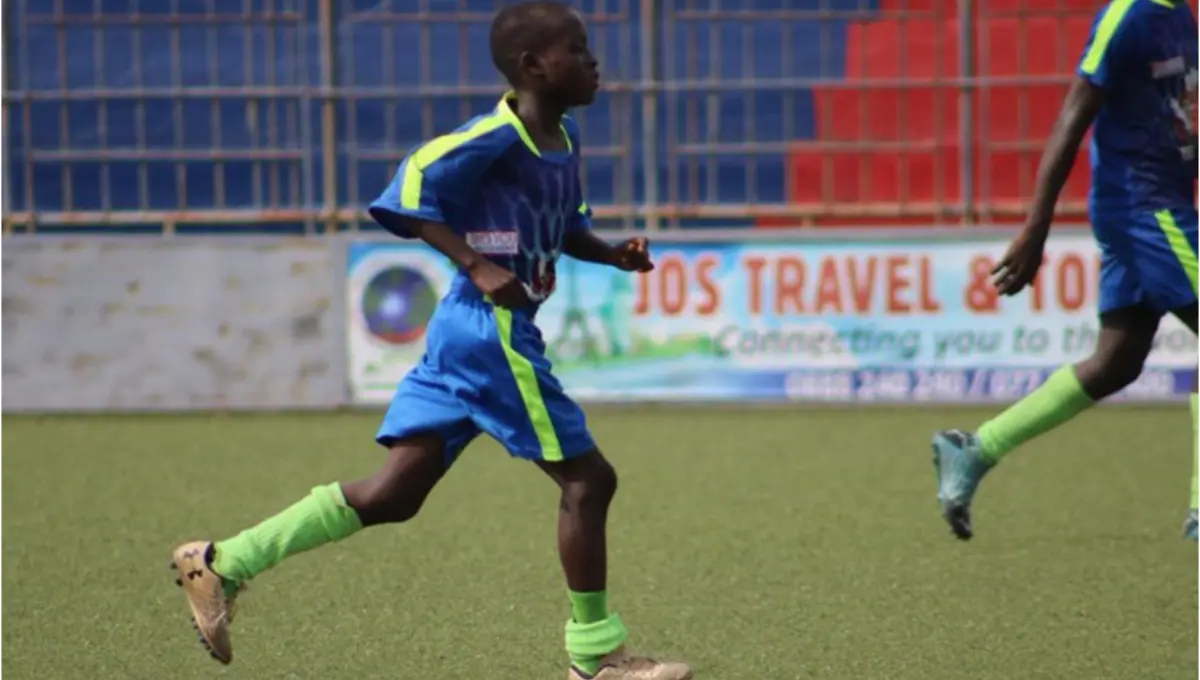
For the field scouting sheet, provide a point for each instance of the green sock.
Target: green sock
(592, 631)
(319, 518)
(1056, 401)
(1195, 452)
(589, 607)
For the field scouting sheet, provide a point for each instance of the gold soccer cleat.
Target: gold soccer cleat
(620, 666)
(212, 608)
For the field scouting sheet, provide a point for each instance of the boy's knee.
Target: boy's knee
(594, 486)
(397, 491)
(381, 503)
(1126, 339)
(1104, 374)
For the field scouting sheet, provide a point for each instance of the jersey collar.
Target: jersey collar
(506, 113)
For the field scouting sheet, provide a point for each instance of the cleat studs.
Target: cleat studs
(179, 582)
(172, 565)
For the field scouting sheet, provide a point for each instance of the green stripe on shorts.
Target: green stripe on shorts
(1179, 245)
(527, 384)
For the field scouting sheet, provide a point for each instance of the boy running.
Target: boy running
(501, 197)
(1137, 84)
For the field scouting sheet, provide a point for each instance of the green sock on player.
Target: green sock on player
(1195, 500)
(589, 607)
(319, 518)
(1056, 401)
(593, 631)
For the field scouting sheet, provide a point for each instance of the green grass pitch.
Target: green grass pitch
(770, 543)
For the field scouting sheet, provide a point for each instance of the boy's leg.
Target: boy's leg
(962, 459)
(211, 573)
(595, 635)
(1191, 527)
(1174, 280)
(587, 484)
(424, 431)
(1126, 337)
(1127, 327)
(528, 412)
(1149, 266)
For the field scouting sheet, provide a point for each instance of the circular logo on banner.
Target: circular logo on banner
(397, 303)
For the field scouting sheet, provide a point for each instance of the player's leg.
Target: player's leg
(1168, 259)
(528, 412)
(595, 635)
(1127, 327)
(1191, 526)
(423, 430)
(587, 484)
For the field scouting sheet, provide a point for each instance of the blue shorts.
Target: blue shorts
(1148, 259)
(485, 370)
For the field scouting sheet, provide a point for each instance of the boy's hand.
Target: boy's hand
(1021, 262)
(633, 256)
(498, 283)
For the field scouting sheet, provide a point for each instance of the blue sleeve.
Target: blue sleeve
(1112, 47)
(582, 219)
(439, 176)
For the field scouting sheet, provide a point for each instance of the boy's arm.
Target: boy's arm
(582, 243)
(440, 175)
(437, 175)
(443, 239)
(1112, 47)
(1079, 109)
(587, 247)
(415, 195)
(631, 255)
(411, 205)
(494, 281)
(1020, 264)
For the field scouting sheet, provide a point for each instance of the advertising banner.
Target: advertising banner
(904, 321)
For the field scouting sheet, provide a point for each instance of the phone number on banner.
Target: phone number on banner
(944, 385)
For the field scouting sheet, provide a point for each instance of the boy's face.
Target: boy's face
(568, 71)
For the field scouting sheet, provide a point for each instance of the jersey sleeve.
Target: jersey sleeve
(439, 176)
(1112, 47)
(582, 218)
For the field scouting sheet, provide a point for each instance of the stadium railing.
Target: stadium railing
(286, 116)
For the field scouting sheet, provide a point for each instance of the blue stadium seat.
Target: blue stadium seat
(387, 125)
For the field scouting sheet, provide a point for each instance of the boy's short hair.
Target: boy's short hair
(524, 27)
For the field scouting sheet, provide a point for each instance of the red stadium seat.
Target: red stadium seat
(900, 144)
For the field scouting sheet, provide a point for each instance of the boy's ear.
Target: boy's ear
(531, 64)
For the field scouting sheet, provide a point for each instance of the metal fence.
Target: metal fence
(182, 115)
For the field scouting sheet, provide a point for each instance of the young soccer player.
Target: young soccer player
(501, 197)
(1137, 84)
